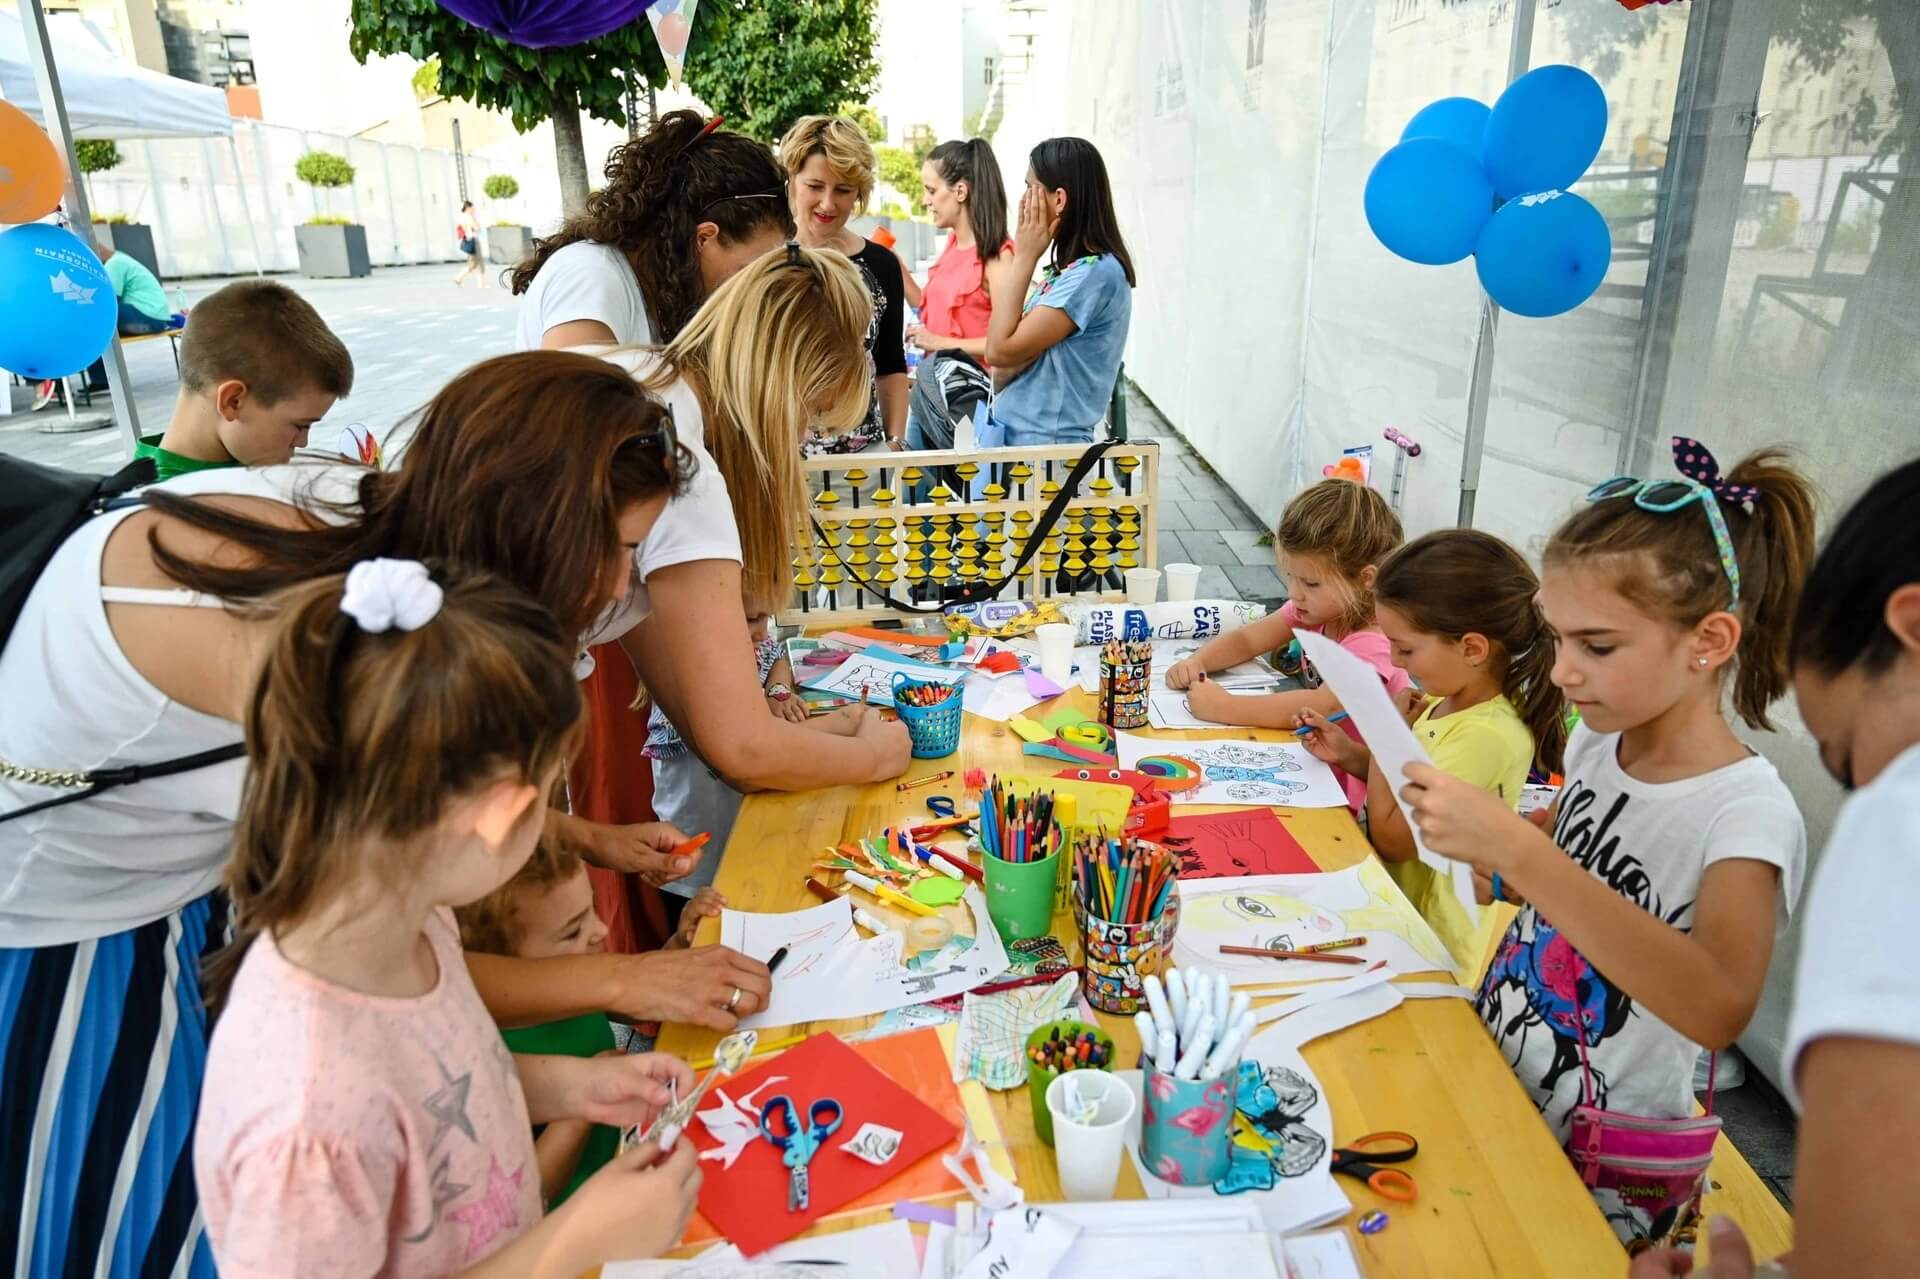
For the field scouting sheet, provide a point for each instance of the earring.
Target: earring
(1700, 661)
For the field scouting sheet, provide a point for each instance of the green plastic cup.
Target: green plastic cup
(1020, 896)
(1037, 1080)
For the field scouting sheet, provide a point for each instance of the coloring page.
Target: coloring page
(1288, 912)
(871, 673)
(1241, 772)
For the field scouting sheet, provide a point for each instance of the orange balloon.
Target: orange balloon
(32, 179)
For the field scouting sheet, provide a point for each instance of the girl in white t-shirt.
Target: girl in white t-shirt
(1676, 851)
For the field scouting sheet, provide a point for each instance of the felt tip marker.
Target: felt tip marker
(773, 962)
(888, 895)
(1306, 730)
(692, 846)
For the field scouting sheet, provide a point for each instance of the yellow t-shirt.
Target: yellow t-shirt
(1488, 745)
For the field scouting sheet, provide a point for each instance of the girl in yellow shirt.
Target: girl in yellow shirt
(1457, 607)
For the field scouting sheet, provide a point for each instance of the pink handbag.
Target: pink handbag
(1659, 1166)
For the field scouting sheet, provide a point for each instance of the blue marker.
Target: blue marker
(1334, 718)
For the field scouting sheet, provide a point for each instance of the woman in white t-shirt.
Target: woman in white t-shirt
(778, 347)
(685, 206)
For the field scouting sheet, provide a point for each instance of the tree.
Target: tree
(426, 80)
(867, 118)
(901, 171)
(782, 59)
(533, 85)
(323, 170)
(96, 155)
(501, 186)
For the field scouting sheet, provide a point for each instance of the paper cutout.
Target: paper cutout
(996, 698)
(1284, 912)
(1248, 841)
(877, 1144)
(1040, 686)
(992, 1041)
(733, 1123)
(871, 672)
(1027, 729)
(1393, 744)
(1242, 772)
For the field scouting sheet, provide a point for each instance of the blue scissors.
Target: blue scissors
(780, 1124)
(944, 809)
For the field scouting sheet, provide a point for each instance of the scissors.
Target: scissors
(1363, 1158)
(780, 1124)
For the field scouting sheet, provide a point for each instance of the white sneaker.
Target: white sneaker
(43, 394)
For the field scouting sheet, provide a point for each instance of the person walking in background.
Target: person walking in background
(830, 169)
(467, 232)
(1056, 354)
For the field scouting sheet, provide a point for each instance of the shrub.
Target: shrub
(323, 169)
(97, 155)
(500, 186)
(329, 219)
(113, 219)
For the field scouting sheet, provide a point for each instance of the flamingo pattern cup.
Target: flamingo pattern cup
(1186, 1133)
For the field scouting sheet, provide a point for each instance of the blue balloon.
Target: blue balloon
(1427, 201)
(1461, 121)
(1544, 131)
(58, 301)
(1543, 254)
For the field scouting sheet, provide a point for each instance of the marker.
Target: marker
(1157, 1003)
(1306, 730)
(774, 962)
(888, 895)
(692, 846)
(928, 780)
(1196, 1054)
(821, 891)
(1149, 1033)
(867, 920)
(1015, 983)
(1177, 995)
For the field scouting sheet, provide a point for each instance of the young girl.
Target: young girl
(361, 1114)
(1457, 608)
(1646, 932)
(1330, 543)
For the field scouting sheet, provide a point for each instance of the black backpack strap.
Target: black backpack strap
(106, 779)
(978, 591)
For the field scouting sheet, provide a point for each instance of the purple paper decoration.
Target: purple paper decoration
(539, 24)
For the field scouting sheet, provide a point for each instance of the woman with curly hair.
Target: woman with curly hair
(685, 206)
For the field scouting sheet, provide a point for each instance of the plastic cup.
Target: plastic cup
(1088, 1154)
(1143, 585)
(1039, 1081)
(1020, 896)
(1182, 581)
(1056, 651)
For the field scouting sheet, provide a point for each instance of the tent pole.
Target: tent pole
(246, 205)
(53, 118)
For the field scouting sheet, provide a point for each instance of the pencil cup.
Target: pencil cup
(1124, 687)
(1186, 1125)
(1020, 895)
(1118, 958)
(1038, 1080)
(1088, 1153)
(935, 729)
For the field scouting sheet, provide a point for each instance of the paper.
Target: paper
(1167, 708)
(993, 1030)
(885, 1251)
(871, 671)
(1040, 686)
(830, 972)
(997, 698)
(1324, 1254)
(1022, 1245)
(1286, 912)
(1393, 744)
(1248, 677)
(1247, 841)
(1242, 772)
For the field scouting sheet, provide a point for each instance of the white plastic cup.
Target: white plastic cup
(1088, 1155)
(1182, 581)
(1143, 585)
(1056, 651)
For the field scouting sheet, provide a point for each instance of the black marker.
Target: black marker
(774, 963)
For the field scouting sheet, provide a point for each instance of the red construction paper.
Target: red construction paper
(747, 1203)
(1245, 841)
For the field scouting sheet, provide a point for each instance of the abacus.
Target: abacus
(903, 526)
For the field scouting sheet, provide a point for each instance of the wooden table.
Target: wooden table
(1497, 1195)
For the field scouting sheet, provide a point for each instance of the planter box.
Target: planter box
(333, 252)
(135, 239)
(507, 245)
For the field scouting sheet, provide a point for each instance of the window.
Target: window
(1256, 33)
(987, 66)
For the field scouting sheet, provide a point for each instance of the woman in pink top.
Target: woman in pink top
(967, 199)
(361, 1114)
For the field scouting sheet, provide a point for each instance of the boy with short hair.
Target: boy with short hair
(258, 367)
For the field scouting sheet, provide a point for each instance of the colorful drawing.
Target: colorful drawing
(1271, 1136)
(1285, 912)
(1234, 771)
(1249, 841)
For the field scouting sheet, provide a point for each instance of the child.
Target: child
(361, 1114)
(1330, 542)
(258, 367)
(546, 910)
(1645, 934)
(1457, 608)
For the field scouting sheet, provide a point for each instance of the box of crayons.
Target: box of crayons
(1052, 1051)
(1126, 679)
(1127, 909)
(1021, 840)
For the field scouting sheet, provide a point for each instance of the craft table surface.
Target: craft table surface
(1497, 1195)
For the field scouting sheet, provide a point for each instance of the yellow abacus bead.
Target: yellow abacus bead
(882, 497)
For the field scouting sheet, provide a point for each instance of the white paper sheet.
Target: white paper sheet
(1248, 677)
(1151, 1239)
(871, 672)
(1324, 1254)
(997, 697)
(1281, 774)
(1393, 744)
(1286, 912)
(885, 1251)
(830, 972)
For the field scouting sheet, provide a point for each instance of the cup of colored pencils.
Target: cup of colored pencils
(1126, 678)
(1052, 1051)
(1127, 909)
(1021, 840)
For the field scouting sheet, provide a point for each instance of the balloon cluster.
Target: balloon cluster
(58, 302)
(1466, 179)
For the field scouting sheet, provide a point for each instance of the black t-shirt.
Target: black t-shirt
(887, 340)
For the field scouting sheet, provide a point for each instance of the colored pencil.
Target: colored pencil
(1016, 983)
(1257, 953)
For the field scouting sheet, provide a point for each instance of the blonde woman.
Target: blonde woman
(773, 351)
(830, 169)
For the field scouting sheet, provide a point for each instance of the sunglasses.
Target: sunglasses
(1665, 496)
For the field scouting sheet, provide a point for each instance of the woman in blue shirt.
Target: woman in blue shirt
(1056, 354)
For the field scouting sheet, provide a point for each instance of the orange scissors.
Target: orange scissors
(1362, 1159)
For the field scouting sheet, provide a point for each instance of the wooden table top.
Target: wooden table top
(1497, 1195)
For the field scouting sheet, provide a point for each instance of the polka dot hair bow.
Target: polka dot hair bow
(1691, 459)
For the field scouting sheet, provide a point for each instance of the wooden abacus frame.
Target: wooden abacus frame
(867, 534)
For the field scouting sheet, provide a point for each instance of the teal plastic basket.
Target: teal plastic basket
(935, 730)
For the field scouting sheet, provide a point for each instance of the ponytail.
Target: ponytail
(973, 163)
(1528, 684)
(1775, 549)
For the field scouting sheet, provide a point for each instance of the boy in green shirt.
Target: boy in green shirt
(258, 367)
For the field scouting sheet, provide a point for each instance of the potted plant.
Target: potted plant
(330, 246)
(507, 242)
(135, 239)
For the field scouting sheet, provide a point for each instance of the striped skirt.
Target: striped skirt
(105, 1048)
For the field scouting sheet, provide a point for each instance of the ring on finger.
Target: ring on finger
(734, 999)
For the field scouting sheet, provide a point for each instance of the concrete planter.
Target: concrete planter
(507, 245)
(333, 252)
(135, 239)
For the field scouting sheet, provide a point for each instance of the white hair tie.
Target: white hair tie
(382, 594)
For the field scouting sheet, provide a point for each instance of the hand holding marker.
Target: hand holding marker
(1195, 1027)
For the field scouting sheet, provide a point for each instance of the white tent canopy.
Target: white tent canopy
(108, 97)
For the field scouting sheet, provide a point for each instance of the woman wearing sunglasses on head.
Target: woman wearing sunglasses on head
(685, 206)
